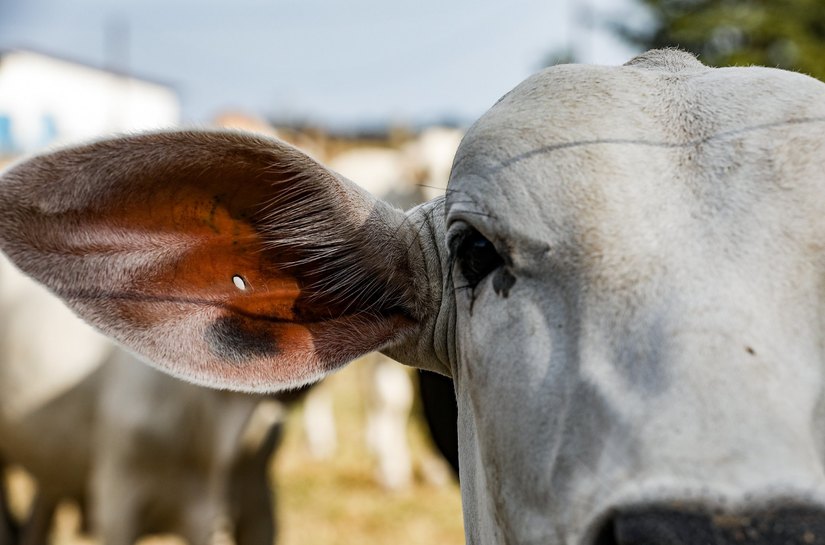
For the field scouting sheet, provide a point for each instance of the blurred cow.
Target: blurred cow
(8, 528)
(431, 154)
(139, 451)
(404, 177)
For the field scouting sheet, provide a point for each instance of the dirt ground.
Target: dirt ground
(334, 502)
(339, 502)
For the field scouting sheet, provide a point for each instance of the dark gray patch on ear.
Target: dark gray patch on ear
(503, 281)
(237, 338)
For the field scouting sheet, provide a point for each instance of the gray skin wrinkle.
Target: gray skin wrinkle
(433, 348)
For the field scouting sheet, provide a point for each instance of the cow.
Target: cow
(139, 451)
(624, 280)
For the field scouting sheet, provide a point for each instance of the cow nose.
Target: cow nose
(676, 526)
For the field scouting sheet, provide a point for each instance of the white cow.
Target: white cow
(625, 282)
(431, 155)
(141, 451)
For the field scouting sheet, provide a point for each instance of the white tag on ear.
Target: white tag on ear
(239, 282)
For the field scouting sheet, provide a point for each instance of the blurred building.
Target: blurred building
(48, 100)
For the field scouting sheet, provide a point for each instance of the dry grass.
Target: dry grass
(338, 502)
(334, 502)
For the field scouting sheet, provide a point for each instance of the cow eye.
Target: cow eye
(476, 257)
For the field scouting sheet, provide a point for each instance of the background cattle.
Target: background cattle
(139, 451)
(404, 176)
(8, 526)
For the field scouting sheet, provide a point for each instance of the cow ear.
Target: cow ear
(227, 259)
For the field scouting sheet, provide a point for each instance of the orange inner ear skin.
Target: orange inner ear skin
(222, 241)
(173, 260)
(207, 271)
(219, 219)
(219, 240)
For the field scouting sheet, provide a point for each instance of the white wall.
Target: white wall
(48, 100)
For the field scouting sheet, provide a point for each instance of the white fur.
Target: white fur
(662, 341)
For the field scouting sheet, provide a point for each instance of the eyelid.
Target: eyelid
(456, 234)
(459, 229)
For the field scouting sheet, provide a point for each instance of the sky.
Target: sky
(342, 63)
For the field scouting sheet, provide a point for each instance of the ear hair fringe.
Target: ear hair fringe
(347, 266)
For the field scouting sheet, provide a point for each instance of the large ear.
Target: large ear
(227, 259)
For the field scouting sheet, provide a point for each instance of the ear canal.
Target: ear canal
(227, 259)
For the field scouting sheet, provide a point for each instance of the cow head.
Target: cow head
(625, 281)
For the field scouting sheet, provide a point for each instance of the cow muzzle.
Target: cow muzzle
(677, 525)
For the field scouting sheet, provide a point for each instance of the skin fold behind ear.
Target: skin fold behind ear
(431, 348)
(227, 259)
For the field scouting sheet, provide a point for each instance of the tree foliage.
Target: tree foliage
(783, 33)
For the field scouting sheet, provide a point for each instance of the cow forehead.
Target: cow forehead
(667, 100)
(578, 146)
